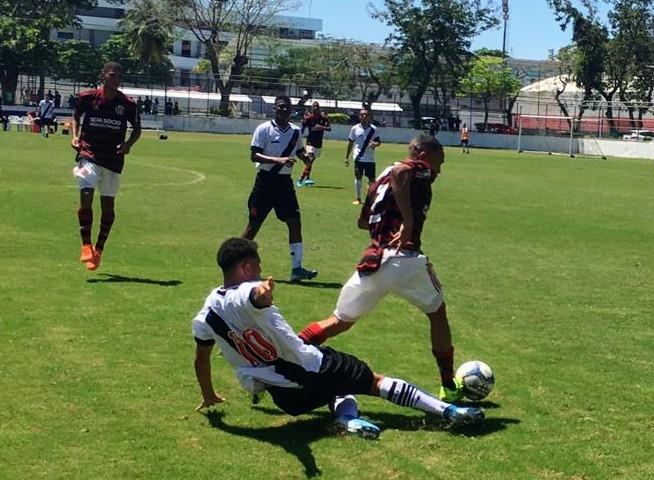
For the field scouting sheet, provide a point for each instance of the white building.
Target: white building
(100, 22)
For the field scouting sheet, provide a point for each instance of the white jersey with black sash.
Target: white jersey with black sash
(272, 140)
(362, 137)
(260, 345)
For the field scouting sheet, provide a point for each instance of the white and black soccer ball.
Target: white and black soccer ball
(477, 379)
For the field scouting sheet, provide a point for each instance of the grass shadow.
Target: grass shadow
(111, 278)
(296, 436)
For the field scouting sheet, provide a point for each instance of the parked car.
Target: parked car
(639, 136)
(496, 128)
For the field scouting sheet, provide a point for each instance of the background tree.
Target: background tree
(79, 61)
(489, 78)
(148, 32)
(25, 45)
(431, 41)
(219, 24)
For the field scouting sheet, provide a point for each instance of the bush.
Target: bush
(338, 118)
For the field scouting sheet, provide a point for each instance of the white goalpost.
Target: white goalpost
(559, 135)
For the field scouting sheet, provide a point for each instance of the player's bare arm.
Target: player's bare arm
(261, 158)
(74, 142)
(125, 147)
(203, 375)
(401, 185)
(262, 296)
(348, 152)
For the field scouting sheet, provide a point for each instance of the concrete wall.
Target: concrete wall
(611, 148)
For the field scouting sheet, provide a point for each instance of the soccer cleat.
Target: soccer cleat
(299, 183)
(309, 183)
(94, 263)
(357, 202)
(463, 416)
(357, 426)
(452, 395)
(87, 253)
(300, 273)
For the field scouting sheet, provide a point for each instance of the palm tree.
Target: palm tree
(149, 32)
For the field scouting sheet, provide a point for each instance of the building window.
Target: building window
(186, 48)
(307, 34)
(184, 78)
(65, 35)
(102, 12)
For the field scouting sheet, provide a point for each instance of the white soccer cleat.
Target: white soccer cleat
(357, 426)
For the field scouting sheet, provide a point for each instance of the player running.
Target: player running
(394, 214)
(101, 148)
(275, 145)
(267, 355)
(363, 139)
(317, 124)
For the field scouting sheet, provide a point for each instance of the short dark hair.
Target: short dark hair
(284, 98)
(424, 143)
(112, 66)
(234, 250)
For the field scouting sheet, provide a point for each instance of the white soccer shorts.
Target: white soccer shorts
(311, 150)
(406, 274)
(91, 175)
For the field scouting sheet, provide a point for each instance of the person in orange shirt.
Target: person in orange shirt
(465, 138)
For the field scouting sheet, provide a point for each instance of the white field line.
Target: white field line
(198, 177)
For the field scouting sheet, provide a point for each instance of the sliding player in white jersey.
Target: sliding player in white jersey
(267, 355)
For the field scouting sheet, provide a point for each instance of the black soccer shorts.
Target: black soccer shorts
(273, 191)
(340, 374)
(366, 168)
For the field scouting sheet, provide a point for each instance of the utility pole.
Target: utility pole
(505, 11)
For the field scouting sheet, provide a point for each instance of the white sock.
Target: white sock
(346, 406)
(357, 188)
(403, 393)
(297, 252)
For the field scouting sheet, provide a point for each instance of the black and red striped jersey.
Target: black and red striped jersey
(314, 138)
(104, 126)
(380, 211)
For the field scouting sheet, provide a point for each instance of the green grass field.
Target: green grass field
(547, 262)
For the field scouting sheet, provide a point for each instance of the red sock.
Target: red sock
(313, 334)
(445, 361)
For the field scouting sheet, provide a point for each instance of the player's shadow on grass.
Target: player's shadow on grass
(312, 284)
(328, 187)
(297, 435)
(111, 278)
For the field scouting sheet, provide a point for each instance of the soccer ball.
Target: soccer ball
(477, 379)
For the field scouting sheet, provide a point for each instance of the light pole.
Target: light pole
(171, 71)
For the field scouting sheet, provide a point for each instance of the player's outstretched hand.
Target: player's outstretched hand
(288, 161)
(347, 162)
(74, 142)
(262, 296)
(208, 402)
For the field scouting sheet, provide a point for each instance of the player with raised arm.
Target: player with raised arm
(394, 214)
(275, 145)
(317, 124)
(267, 355)
(362, 141)
(99, 128)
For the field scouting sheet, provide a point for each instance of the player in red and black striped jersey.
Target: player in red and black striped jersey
(99, 128)
(394, 214)
(317, 124)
